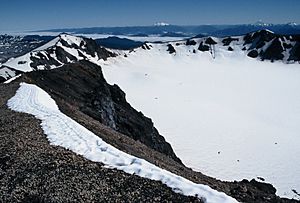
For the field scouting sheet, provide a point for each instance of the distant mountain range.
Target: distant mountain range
(263, 44)
(183, 30)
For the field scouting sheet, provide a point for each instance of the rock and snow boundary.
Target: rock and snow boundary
(63, 131)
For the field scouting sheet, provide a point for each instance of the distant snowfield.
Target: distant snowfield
(63, 131)
(232, 117)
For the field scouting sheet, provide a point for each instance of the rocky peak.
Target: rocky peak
(269, 46)
(61, 50)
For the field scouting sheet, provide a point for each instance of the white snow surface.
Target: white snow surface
(47, 45)
(61, 130)
(70, 39)
(21, 63)
(161, 24)
(6, 72)
(232, 117)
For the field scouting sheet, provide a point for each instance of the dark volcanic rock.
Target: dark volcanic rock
(62, 55)
(253, 54)
(33, 171)
(2, 79)
(171, 49)
(93, 48)
(226, 41)
(286, 45)
(259, 37)
(47, 62)
(274, 51)
(203, 47)
(190, 42)
(269, 46)
(145, 46)
(295, 52)
(210, 41)
(230, 48)
(84, 83)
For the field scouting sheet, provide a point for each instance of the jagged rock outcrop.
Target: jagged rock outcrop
(226, 41)
(210, 41)
(190, 42)
(270, 46)
(203, 47)
(171, 49)
(253, 54)
(82, 84)
(61, 50)
(145, 46)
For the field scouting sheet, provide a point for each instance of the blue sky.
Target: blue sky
(45, 14)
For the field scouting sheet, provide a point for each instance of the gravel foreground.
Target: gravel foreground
(32, 170)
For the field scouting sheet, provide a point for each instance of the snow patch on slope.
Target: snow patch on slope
(70, 39)
(6, 72)
(61, 130)
(48, 45)
(21, 63)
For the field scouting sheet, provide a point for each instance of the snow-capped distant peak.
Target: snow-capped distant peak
(161, 24)
(292, 24)
(261, 23)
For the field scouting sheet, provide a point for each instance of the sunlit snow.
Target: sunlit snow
(231, 117)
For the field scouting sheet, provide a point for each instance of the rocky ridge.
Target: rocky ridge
(263, 45)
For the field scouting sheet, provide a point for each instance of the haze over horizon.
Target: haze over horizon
(39, 15)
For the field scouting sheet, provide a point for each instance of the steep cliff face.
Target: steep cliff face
(33, 171)
(82, 84)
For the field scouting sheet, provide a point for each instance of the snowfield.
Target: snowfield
(231, 117)
(63, 131)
